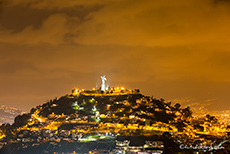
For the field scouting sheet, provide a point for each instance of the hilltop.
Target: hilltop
(100, 116)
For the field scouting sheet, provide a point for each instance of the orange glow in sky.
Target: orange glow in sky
(177, 50)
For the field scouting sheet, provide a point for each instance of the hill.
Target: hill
(96, 117)
(7, 114)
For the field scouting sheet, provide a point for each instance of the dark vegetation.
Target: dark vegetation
(117, 109)
(108, 105)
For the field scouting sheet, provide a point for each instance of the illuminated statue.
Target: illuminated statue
(103, 83)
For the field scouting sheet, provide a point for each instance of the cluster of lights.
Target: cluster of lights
(118, 88)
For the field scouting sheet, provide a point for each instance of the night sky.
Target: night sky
(178, 50)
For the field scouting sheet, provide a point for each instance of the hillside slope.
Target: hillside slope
(102, 118)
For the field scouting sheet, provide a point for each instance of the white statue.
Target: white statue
(103, 83)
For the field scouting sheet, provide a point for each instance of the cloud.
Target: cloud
(52, 31)
(167, 48)
(56, 4)
(129, 23)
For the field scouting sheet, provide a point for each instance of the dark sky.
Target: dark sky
(177, 50)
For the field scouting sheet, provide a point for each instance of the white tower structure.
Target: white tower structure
(103, 79)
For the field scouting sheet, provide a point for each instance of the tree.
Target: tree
(21, 120)
(88, 106)
(32, 110)
(211, 118)
(177, 106)
(187, 112)
(7, 130)
(180, 125)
